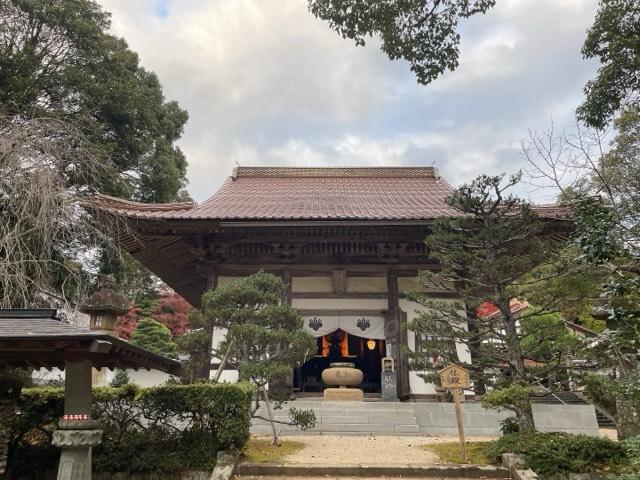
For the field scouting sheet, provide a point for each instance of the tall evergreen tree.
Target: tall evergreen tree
(495, 252)
(58, 59)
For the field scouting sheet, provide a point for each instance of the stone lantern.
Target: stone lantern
(105, 305)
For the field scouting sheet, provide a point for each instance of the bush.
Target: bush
(509, 425)
(161, 430)
(552, 453)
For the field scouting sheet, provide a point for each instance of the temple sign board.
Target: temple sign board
(456, 379)
(454, 376)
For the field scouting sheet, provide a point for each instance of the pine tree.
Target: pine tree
(154, 337)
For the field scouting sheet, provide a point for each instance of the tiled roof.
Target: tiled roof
(269, 193)
(37, 338)
(287, 193)
(36, 322)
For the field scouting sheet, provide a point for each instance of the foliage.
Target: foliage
(507, 397)
(553, 453)
(170, 428)
(601, 390)
(632, 449)
(545, 335)
(450, 452)
(422, 32)
(614, 39)
(58, 59)
(169, 308)
(259, 450)
(497, 251)
(509, 425)
(47, 169)
(120, 379)
(264, 337)
(196, 343)
(154, 337)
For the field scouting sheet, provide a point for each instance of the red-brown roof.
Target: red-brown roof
(268, 193)
(290, 193)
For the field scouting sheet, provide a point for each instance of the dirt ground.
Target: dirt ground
(370, 450)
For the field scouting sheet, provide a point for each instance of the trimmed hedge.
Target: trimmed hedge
(553, 453)
(162, 430)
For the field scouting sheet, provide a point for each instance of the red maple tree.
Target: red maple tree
(170, 309)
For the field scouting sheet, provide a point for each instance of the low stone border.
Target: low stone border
(513, 462)
(415, 471)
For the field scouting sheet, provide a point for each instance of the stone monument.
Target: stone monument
(342, 378)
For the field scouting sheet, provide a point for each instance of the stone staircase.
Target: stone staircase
(344, 418)
(422, 418)
(574, 398)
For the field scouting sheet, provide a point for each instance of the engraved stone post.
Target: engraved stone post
(78, 433)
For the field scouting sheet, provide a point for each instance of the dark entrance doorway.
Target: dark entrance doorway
(339, 346)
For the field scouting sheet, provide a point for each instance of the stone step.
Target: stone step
(341, 429)
(249, 471)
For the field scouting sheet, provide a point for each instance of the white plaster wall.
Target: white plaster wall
(356, 304)
(311, 284)
(419, 386)
(146, 378)
(366, 284)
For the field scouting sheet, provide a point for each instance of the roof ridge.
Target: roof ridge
(101, 200)
(365, 172)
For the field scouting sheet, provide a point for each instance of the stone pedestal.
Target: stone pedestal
(75, 458)
(342, 375)
(355, 394)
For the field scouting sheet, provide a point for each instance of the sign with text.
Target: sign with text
(454, 376)
(456, 379)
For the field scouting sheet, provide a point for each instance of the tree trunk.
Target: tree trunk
(524, 410)
(524, 415)
(276, 440)
(475, 343)
(223, 363)
(205, 369)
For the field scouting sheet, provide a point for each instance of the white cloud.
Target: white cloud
(266, 83)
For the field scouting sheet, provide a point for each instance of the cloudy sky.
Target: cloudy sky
(265, 83)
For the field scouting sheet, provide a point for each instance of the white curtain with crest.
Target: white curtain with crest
(365, 326)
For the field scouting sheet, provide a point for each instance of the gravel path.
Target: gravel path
(371, 450)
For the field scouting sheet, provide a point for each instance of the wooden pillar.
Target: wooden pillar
(286, 294)
(205, 370)
(397, 331)
(281, 388)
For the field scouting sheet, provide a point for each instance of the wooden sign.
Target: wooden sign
(454, 376)
(456, 379)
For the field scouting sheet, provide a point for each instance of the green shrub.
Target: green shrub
(509, 425)
(552, 453)
(160, 430)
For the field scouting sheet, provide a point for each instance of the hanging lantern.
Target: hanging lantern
(371, 344)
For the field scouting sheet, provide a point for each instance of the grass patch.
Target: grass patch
(450, 452)
(260, 450)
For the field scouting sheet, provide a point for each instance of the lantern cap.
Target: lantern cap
(106, 299)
